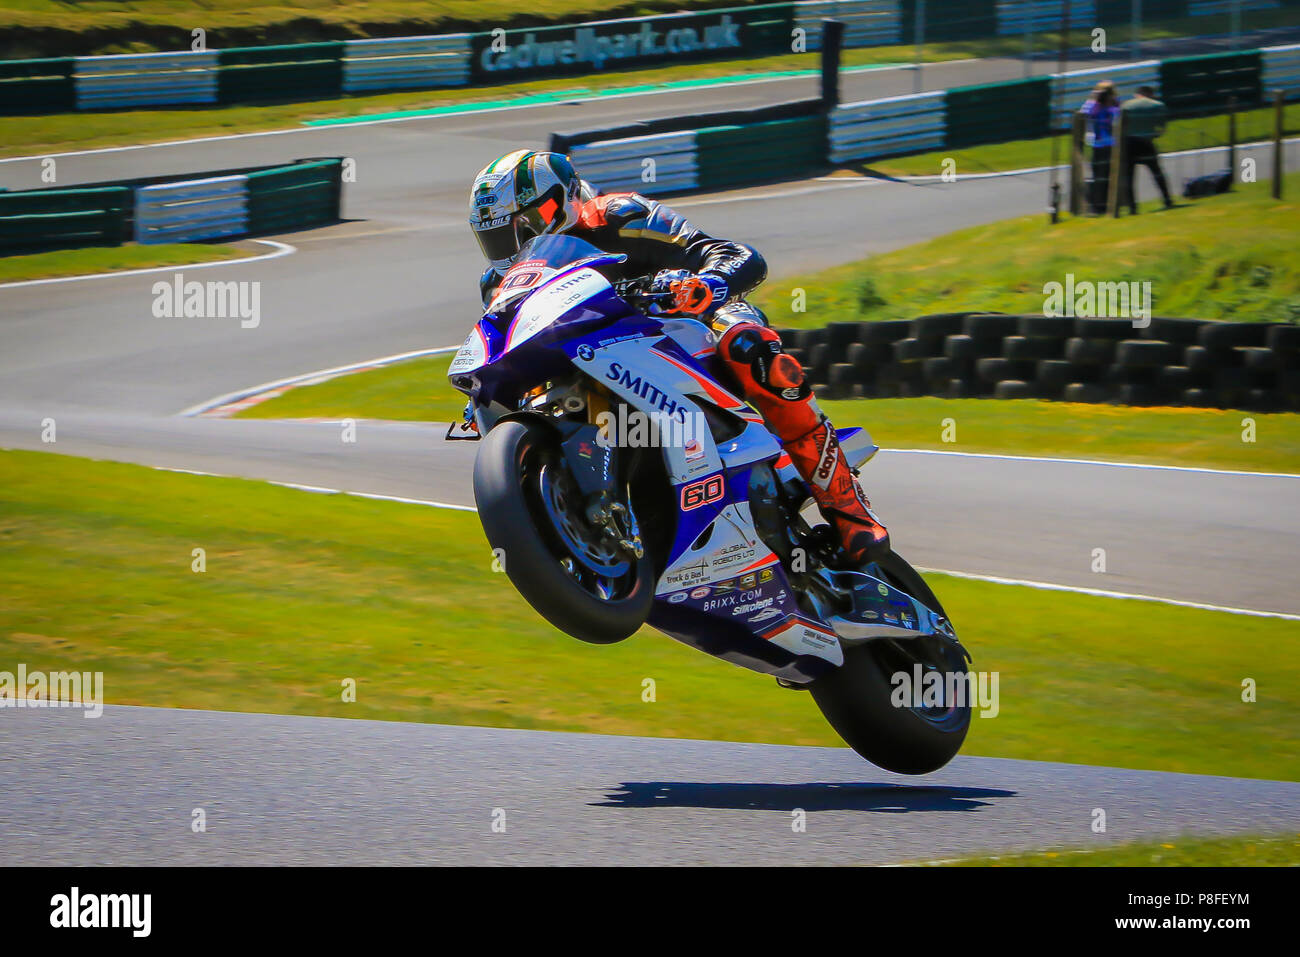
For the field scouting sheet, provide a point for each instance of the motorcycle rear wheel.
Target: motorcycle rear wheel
(856, 697)
(556, 560)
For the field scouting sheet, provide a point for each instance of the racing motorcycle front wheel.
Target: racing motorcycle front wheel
(919, 735)
(580, 576)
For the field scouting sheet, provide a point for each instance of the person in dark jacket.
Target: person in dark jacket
(1144, 120)
(525, 194)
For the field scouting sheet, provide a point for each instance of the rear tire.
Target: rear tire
(509, 496)
(855, 698)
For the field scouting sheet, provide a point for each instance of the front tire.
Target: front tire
(856, 697)
(590, 595)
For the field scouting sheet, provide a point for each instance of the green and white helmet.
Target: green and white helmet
(521, 195)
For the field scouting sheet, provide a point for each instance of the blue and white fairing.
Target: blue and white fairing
(723, 590)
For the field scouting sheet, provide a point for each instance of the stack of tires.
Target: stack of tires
(1162, 362)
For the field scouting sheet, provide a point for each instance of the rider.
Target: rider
(525, 194)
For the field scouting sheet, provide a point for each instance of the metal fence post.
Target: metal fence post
(1077, 130)
(1114, 196)
(1279, 106)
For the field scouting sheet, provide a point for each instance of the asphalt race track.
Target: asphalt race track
(295, 790)
(399, 275)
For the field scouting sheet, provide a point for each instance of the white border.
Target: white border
(281, 249)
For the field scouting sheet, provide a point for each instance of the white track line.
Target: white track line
(321, 375)
(993, 579)
(1103, 593)
(1100, 462)
(281, 249)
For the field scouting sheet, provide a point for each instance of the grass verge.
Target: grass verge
(1180, 852)
(303, 591)
(1205, 438)
(99, 259)
(31, 28)
(1224, 257)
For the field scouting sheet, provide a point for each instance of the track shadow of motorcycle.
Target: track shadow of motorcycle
(813, 796)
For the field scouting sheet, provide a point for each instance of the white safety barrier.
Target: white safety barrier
(661, 163)
(1070, 90)
(867, 23)
(195, 209)
(1281, 71)
(885, 127)
(1206, 8)
(406, 63)
(145, 78)
(1015, 16)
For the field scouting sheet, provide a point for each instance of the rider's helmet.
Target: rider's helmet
(521, 195)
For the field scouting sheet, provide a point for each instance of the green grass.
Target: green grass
(1224, 257)
(416, 390)
(1187, 134)
(1178, 852)
(97, 259)
(30, 28)
(302, 591)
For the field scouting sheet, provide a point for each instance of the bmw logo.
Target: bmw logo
(586, 353)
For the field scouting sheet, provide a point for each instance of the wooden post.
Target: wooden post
(1232, 141)
(1116, 166)
(1279, 105)
(1077, 129)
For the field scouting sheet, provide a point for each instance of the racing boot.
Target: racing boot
(774, 382)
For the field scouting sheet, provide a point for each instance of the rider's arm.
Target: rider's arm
(656, 237)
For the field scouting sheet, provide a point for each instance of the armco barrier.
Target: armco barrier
(145, 79)
(913, 123)
(575, 49)
(665, 162)
(998, 112)
(740, 155)
(178, 208)
(1199, 85)
(867, 23)
(306, 71)
(294, 197)
(406, 63)
(1168, 361)
(41, 219)
(192, 210)
(330, 69)
(37, 87)
(1043, 15)
(1281, 70)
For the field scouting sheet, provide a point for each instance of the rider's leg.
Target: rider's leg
(774, 382)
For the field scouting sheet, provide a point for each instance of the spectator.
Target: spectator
(1102, 109)
(1144, 120)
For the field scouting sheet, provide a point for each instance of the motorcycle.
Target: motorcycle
(623, 484)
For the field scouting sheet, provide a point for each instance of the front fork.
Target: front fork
(593, 462)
